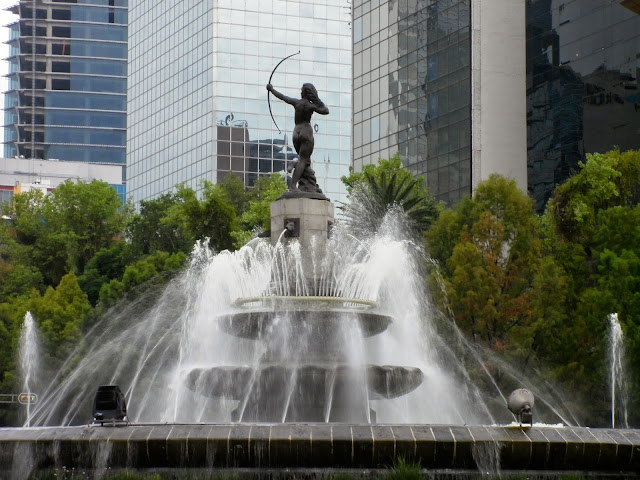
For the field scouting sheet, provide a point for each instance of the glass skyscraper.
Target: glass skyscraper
(67, 81)
(583, 63)
(412, 89)
(426, 78)
(197, 105)
(462, 89)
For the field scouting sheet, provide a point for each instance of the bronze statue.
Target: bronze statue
(304, 178)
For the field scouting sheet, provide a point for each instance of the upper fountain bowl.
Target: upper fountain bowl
(256, 315)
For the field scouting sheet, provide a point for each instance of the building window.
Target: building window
(357, 30)
(375, 129)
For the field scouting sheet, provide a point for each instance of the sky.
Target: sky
(5, 18)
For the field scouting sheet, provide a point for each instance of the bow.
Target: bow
(268, 97)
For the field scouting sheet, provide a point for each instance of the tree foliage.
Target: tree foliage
(541, 289)
(489, 253)
(146, 231)
(604, 181)
(138, 273)
(106, 265)
(62, 231)
(256, 218)
(193, 219)
(372, 192)
(591, 231)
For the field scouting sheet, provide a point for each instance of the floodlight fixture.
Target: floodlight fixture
(520, 403)
(109, 405)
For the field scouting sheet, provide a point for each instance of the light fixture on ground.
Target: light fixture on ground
(109, 405)
(520, 403)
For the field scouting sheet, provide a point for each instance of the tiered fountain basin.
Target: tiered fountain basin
(382, 381)
(256, 315)
(321, 384)
(316, 450)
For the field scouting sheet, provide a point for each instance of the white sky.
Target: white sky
(5, 18)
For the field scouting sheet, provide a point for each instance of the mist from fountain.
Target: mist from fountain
(29, 361)
(617, 380)
(157, 346)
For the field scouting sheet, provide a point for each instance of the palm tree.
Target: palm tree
(378, 189)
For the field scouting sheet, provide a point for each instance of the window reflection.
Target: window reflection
(418, 81)
(582, 68)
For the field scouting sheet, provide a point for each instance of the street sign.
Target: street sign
(26, 398)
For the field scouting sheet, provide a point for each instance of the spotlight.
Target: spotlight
(520, 403)
(109, 405)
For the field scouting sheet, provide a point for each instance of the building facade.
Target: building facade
(462, 89)
(18, 175)
(197, 105)
(583, 62)
(67, 81)
(442, 84)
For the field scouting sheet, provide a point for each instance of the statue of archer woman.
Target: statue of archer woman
(304, 178)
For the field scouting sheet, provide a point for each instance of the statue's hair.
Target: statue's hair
(312, 92)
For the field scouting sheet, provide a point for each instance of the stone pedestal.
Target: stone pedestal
(308, 220)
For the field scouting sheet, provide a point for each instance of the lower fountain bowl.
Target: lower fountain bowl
(236, 382)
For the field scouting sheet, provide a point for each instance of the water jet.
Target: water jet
(29, 363)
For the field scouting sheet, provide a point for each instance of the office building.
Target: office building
(67, 81)
(523, 88)
(583, 62)
(197, 105)
(442, 83)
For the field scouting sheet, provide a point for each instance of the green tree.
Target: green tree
(60, 313)
(257, 215)
(92, 212)
(107, 264)
(234, 191)
(139, 273)
(590, 229)
(604, 181)
(379, 187)
(62, 231)
(18, 279)
(213, 217)
(147, 233)
(489, 252)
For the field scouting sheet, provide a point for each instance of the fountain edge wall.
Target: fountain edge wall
(322, 446)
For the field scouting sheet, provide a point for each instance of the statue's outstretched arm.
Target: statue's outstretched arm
(284, 98)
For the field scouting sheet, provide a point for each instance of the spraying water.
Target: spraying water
(617, 379)
(244, 337)
(29, 360)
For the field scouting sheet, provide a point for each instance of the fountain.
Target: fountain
(310, 331)
(617, 380)
(249, 361)
(249, 336)
(29, 360)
